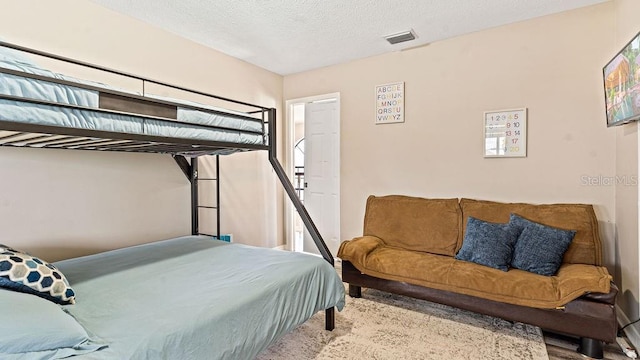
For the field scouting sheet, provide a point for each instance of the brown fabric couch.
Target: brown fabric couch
(408, 247)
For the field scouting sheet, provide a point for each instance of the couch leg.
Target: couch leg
(591, 348)
(355, 291)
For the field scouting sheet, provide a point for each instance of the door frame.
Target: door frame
(288, 146)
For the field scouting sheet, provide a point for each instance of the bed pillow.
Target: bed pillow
(489, 244)
(539, 248)
(29, 325)
(22, 272)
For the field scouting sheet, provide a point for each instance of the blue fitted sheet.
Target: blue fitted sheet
(55, 115)
(196, 298)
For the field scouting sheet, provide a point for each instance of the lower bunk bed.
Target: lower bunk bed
(191, 297)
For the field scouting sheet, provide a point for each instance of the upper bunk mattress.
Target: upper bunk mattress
(192, 120)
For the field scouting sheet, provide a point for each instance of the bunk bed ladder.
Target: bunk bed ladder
(191, 172)
(195, 202)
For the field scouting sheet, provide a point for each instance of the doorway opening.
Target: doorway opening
(312, 161)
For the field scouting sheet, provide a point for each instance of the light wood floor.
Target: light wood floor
(564, 348)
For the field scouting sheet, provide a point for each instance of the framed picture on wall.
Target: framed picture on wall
(505, 133)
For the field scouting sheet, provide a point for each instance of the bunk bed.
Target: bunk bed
(188, 297)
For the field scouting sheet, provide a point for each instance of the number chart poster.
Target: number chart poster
(390, 103)
(505, 133)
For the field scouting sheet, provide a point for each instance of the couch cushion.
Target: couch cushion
(585, 248)
(412, 223)
(411, 266)
(488, 244)
(521, 287)
(514, 286)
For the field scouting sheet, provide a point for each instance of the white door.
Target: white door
(322, 172)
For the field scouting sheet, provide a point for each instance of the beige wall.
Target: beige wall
(550, 65)
(627, 271)
(59, 204)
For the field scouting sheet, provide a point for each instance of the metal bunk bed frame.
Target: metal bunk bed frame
(179, 148)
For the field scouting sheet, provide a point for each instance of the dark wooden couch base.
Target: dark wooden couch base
(592, 321)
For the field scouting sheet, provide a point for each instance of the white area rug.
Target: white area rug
(387, 326)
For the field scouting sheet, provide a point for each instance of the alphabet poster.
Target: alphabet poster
(390, 103)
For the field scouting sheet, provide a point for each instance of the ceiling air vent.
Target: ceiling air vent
(401, 37)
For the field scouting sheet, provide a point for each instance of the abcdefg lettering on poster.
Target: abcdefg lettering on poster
(390, 103)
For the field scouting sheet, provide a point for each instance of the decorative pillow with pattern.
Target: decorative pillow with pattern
(22, 272)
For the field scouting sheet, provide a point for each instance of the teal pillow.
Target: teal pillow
(32, 327)
(539, 248)
(22, 272)
(488, 244)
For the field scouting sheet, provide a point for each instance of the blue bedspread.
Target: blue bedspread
(196, 298)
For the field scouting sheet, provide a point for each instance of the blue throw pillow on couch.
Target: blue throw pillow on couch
(539, 248)
(489, 244)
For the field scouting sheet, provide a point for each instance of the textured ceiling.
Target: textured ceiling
(289, 36)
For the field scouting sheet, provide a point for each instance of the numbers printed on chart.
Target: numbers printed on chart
(505, 133)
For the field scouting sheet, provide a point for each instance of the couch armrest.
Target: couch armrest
(357, 249)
